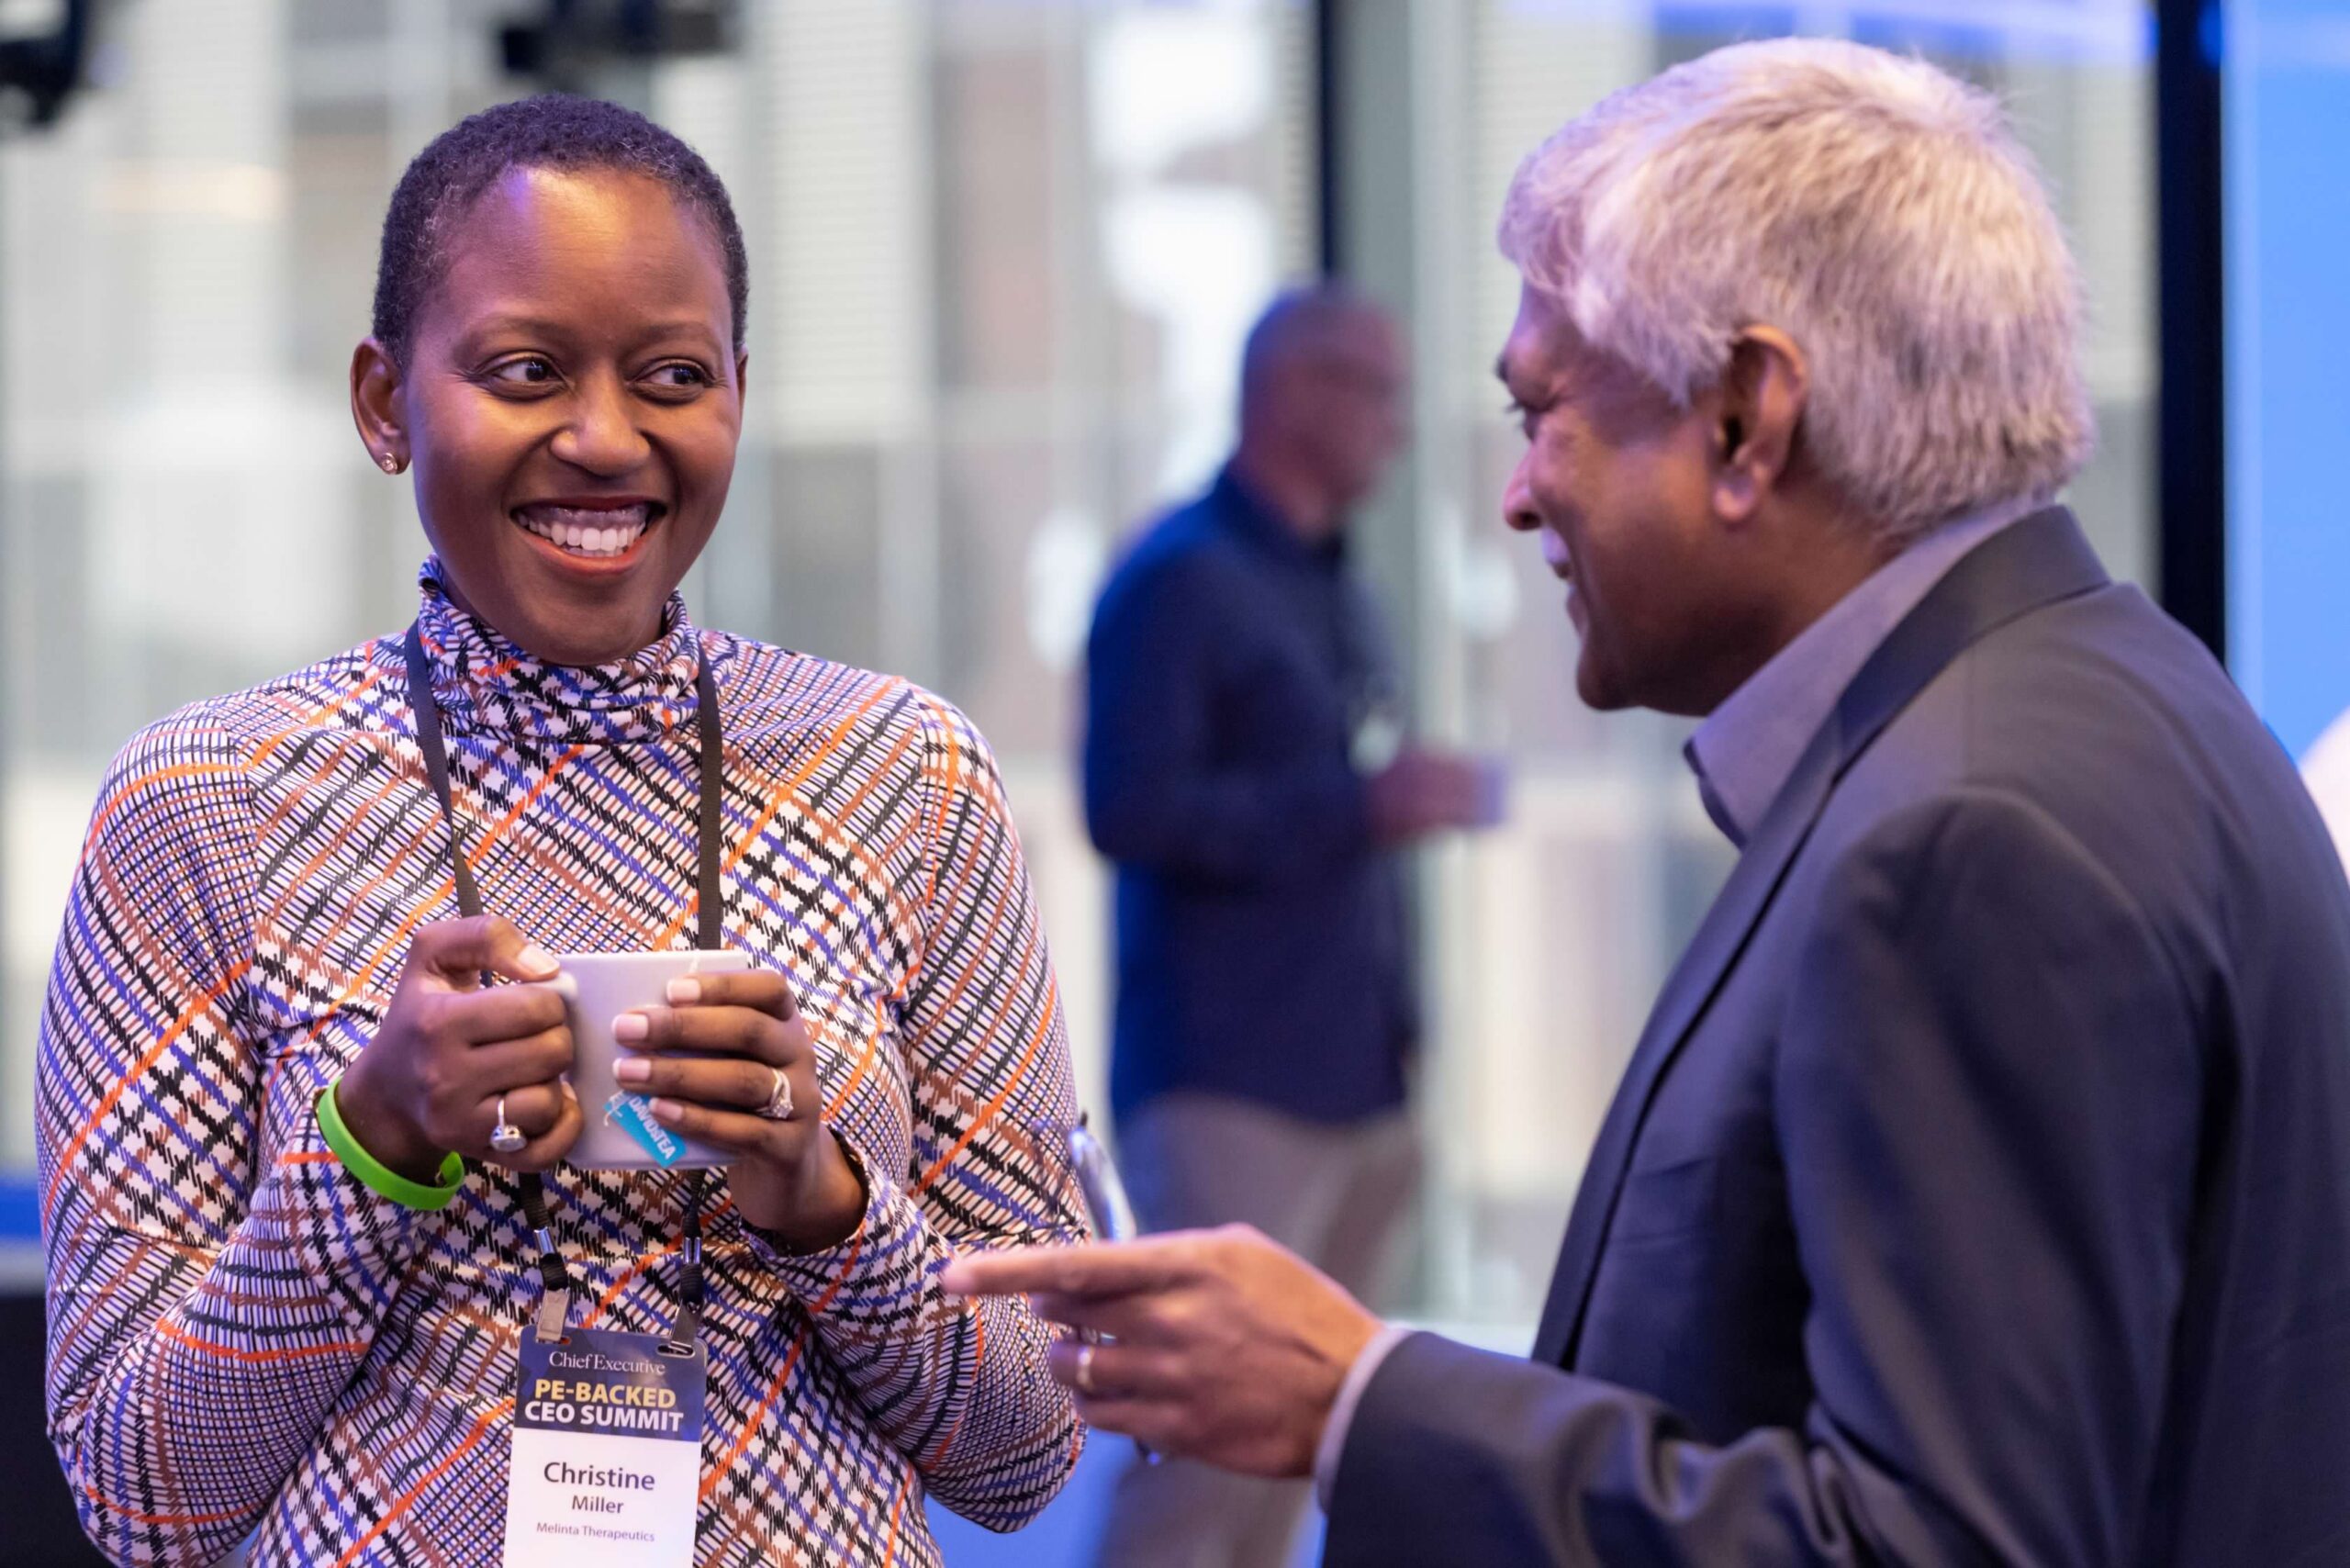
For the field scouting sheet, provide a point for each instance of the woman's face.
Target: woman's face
(570, 401)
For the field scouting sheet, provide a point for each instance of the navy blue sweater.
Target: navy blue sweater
(1261, 938)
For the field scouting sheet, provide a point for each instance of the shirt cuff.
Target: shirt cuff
(1327, 1452)
(818, 1275)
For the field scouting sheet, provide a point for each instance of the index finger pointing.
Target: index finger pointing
(1114, 1268)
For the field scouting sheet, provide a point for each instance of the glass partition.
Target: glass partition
(2285, 82)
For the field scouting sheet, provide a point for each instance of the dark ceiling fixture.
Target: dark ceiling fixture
(574, 40)
(39, 72)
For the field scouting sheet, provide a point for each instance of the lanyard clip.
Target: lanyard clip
(683, 1332)
(554, 1312)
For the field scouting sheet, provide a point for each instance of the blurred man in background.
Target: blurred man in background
(1245, 769)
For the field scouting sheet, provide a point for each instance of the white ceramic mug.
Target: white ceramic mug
(598, 988)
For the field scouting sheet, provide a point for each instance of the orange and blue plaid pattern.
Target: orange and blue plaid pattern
(244, 1339)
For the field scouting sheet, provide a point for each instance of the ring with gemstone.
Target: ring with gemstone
(779, 1105)
(506, 1137)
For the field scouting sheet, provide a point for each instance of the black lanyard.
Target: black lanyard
(555, 1302)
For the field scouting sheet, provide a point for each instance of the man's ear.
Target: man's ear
(1759, 405)
(376, 405)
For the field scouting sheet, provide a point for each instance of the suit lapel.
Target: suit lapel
(1703, 966)
(2036, 561)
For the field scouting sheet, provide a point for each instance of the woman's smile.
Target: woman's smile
(591, 531)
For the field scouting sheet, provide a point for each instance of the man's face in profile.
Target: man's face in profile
(1616, 482)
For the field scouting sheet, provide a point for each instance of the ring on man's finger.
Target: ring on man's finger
(506, 1137)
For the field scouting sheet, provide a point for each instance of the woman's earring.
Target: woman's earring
(391, 463)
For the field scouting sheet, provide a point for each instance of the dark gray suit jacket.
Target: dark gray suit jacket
(1980, 1189)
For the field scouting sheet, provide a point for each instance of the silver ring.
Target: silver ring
(506, 1137)
(779, 1105)
(1085, 1369)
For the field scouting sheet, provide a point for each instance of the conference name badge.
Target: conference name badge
(607, 1461)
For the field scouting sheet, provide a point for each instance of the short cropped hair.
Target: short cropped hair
(1874, 209)
(553, 131)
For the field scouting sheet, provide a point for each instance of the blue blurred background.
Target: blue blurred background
(2286, 91)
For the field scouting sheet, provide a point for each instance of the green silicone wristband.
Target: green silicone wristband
(373, 1174)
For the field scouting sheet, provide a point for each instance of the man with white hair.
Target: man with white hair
(1979, 1191)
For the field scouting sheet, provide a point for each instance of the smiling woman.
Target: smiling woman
(282, 1299)
(558, 349)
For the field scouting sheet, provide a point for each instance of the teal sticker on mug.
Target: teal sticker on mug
(634, 1115)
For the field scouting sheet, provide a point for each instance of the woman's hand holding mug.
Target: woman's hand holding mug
(453, 1053)
(729, 1063)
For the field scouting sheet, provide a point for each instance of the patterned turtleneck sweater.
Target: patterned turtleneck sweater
(243, 1337)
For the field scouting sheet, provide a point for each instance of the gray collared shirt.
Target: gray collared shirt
(1744, 752)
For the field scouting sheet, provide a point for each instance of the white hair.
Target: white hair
(1879, 212)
